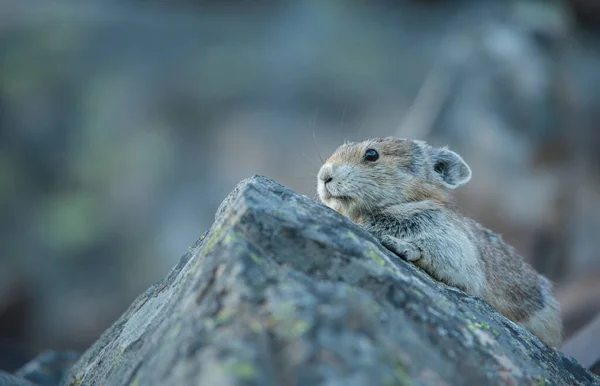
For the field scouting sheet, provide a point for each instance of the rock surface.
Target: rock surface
(7, 379)
(284, 291)
(48, 368)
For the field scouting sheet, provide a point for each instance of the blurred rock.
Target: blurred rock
(48, 368)
(283, 291)
(16, 311)
(587, 13)
(580, 302)
(7, 379)
(585, 345)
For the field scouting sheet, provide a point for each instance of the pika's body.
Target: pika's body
(399, 190)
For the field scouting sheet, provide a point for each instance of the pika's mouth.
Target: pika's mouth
(337, 197)
(331, 194)
(342, 198)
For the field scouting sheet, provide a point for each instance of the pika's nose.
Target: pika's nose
(325, 174)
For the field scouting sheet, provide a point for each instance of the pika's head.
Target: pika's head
(368, 176)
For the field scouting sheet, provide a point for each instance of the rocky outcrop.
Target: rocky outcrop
(284, 291)
(48, 368)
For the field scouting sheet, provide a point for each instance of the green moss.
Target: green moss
(298, 328)
(288, 322)
(209, 323)
(472, 325)
(422, 273)
(376, 307)
(225, 316)
(541, 382)
(285, 311)
(214, 238)
(232, 237)
(76, 381)
(175, 331)
(401, 375)
(351, 235)
(257, 259)
(281, 214)
(486, 326)
(444, 303)
(118, 357)
(193, 267)
(256, 326)
(374, 254)
(243, 370)
(211, 243)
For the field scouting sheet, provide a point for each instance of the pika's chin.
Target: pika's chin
(343, 205)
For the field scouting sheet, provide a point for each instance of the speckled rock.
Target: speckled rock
(48, 368)
(7, 379)
(284, 291)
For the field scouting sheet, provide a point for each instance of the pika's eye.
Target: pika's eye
(371, 155)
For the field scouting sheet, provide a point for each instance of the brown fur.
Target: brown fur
(404, 199)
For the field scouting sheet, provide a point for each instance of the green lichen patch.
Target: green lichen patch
(257, 259)
(214, 239)
(76, 381)
(542, 382)
(287, 321)
(298, 328)
(256, 326)
(175, 331)
(209, 324)
(422, 273)
(352, 236)
(281, 214)
(471, 325)
(402, 376)
(225, 316)
(119, 356)
(242, 370)
(285, 311)
(232, 237)
(375, 255)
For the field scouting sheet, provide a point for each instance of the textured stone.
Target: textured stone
(48, 368)
(7, 379)
(284, 291)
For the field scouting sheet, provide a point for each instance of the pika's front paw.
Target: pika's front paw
(401, 248)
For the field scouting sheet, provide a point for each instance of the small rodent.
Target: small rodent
(399, 190)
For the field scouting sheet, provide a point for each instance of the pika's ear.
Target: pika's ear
(449, 168)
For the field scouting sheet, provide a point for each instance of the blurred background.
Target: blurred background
(123, 124)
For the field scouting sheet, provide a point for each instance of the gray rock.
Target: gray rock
(7, 379)
(48, 368)
(284, 291)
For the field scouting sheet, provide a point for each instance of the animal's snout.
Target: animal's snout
(326, 174)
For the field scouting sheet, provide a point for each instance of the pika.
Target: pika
(399, 191)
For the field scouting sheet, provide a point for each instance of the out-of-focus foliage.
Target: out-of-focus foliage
(123, 124)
